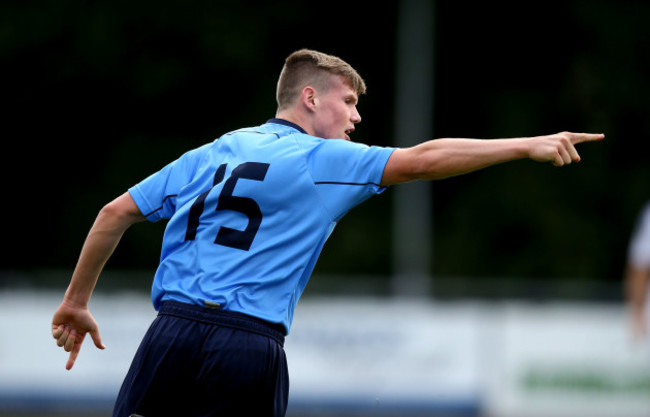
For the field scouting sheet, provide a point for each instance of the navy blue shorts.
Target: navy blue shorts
(196, 361)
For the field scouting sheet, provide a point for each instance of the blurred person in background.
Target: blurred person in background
(637, 276)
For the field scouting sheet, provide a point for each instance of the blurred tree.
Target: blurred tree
(541, 69)
(101, 94)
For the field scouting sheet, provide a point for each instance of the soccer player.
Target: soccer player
(248, 215)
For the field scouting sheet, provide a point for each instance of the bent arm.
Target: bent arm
(443, 158)
(110, 224)
(72, 319)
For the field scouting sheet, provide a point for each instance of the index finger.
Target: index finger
(585, 137)
(73, 356)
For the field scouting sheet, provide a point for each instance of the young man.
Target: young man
(248, 216)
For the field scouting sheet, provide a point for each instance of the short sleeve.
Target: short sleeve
(639, 251)
(156, 195)
(347, 173)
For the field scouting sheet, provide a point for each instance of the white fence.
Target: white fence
(365, 356)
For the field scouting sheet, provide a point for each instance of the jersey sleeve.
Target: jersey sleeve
(639, 251)
(156, 195)
(347, 173)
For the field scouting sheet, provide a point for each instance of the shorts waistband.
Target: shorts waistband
(223, 318)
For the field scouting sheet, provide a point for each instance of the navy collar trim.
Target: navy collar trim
(287, 123)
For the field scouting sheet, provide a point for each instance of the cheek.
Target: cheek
(328, 124)
(332, 123)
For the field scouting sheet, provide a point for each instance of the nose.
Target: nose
(356, 117)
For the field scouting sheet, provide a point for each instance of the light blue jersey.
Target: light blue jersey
(249, 214)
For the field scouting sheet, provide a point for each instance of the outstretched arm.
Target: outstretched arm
(443, 158)
(72, 320)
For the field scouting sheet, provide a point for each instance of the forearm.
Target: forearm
(443, 158)
(104, 236)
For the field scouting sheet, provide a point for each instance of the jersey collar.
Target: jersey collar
(287, 123)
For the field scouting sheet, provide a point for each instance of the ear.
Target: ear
(309, 99)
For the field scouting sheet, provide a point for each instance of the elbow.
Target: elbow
(428, 169)
(428, 161)
(121, 211)
(111, 211)
(111, 217)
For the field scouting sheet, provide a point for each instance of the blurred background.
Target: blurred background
(99, 95)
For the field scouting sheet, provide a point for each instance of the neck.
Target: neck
(285, 122)
(295, 118)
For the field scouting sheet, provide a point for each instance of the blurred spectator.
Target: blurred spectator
(637, 275)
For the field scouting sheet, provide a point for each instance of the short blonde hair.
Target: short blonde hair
(308, 67)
